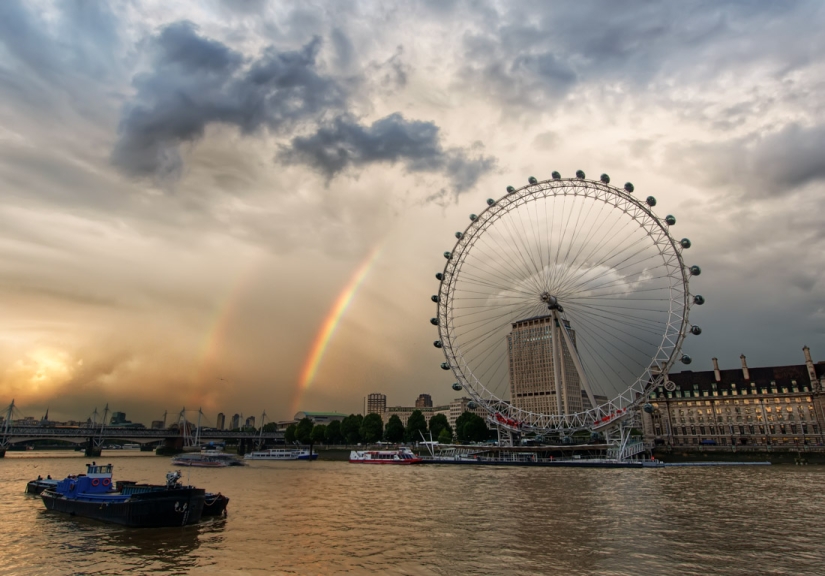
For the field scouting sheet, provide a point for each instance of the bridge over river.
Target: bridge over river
(17, 434)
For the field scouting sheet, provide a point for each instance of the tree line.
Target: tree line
(355, 429)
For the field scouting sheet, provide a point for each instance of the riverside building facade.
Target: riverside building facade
(771, 406)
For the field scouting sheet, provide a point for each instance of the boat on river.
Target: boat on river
(214, 504)
(401, 456)
(92, 495)
(40, 484)
(281, 454)
(207, 459)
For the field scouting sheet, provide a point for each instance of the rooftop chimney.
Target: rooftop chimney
(810, 364)
(716, 372)
(745, 371)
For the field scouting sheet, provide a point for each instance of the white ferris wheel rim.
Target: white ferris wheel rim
(660, 363)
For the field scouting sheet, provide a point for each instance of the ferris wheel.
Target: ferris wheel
(564, 304)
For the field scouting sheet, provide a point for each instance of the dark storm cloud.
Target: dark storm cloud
(196, 81)
(772, 164)
(416, 145)
(532, 55)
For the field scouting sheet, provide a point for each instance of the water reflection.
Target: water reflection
(330, 518)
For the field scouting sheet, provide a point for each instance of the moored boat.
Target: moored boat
(401, 456)
(92, 495)
(37, 486)
(281, 454)
(214, 504)
(207, 459)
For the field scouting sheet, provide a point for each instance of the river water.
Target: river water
(329, 517)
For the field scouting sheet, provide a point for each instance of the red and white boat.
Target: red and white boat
(400, 456)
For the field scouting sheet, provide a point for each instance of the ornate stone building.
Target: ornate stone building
(777, 406)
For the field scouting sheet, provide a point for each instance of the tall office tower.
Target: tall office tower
(236, 422)
(376, 403)
(424, 401)
(221, 420)
(532, 375)
(250, 421)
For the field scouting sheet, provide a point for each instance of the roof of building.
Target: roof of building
(780, 376)
(311, 414)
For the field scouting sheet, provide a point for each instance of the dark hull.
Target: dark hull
(215, 505)
(545, 464)
(35, 487)
(154, 509)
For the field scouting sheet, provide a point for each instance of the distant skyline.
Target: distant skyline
(241, 206)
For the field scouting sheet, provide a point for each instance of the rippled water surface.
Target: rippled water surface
(329, 517)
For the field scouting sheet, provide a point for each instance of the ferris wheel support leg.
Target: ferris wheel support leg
(574, 354)
(554, 338)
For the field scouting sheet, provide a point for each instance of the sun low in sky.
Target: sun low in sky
(241, 206)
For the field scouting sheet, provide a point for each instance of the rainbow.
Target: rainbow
(215, 338)
(333, 318)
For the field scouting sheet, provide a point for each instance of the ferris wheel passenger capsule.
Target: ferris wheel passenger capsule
(437, 343)
(671, 220)
(628, 187)
(651, 201)
(695, 270)
(457, 386)
(698, 299)
(695, 330)
(556, 176)
(445, 366)
(490, 201)
(472, 405)
(648, 408)
(685, 243)
(435, 298)
(434, 321)
(532, 180)
(473, 217)
(448, 255)
(510, 189)
(439, 276)
(459, 235)
(580, 174)
(686, 359)
(605, 178)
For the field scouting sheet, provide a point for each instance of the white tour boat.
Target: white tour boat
(207, 459)
(401, 456)
(281, 454)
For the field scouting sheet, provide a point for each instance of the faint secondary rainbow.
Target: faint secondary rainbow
(214, 341)
(333, 318)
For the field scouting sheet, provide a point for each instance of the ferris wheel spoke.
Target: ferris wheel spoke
(472, 342)
(597, 226)
(505, 287)
(596, 335)
(531, 266)
(635, 321)
(570, 244)
(628, 337)
(524, 275)
(613, 267)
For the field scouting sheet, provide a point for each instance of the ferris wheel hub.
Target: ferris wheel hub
(551, 301)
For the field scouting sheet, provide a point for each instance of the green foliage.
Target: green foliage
(372, 428)
(445, 437)
(476, 429)
(416, 426)
(271, 427)
(289, 434)
(351, 428)
(471, 427)
(304, 431)
(438, 423)
(332, 435)
(394, 432)
(318, 433)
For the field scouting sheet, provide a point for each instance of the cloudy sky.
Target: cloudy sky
(187, 188)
